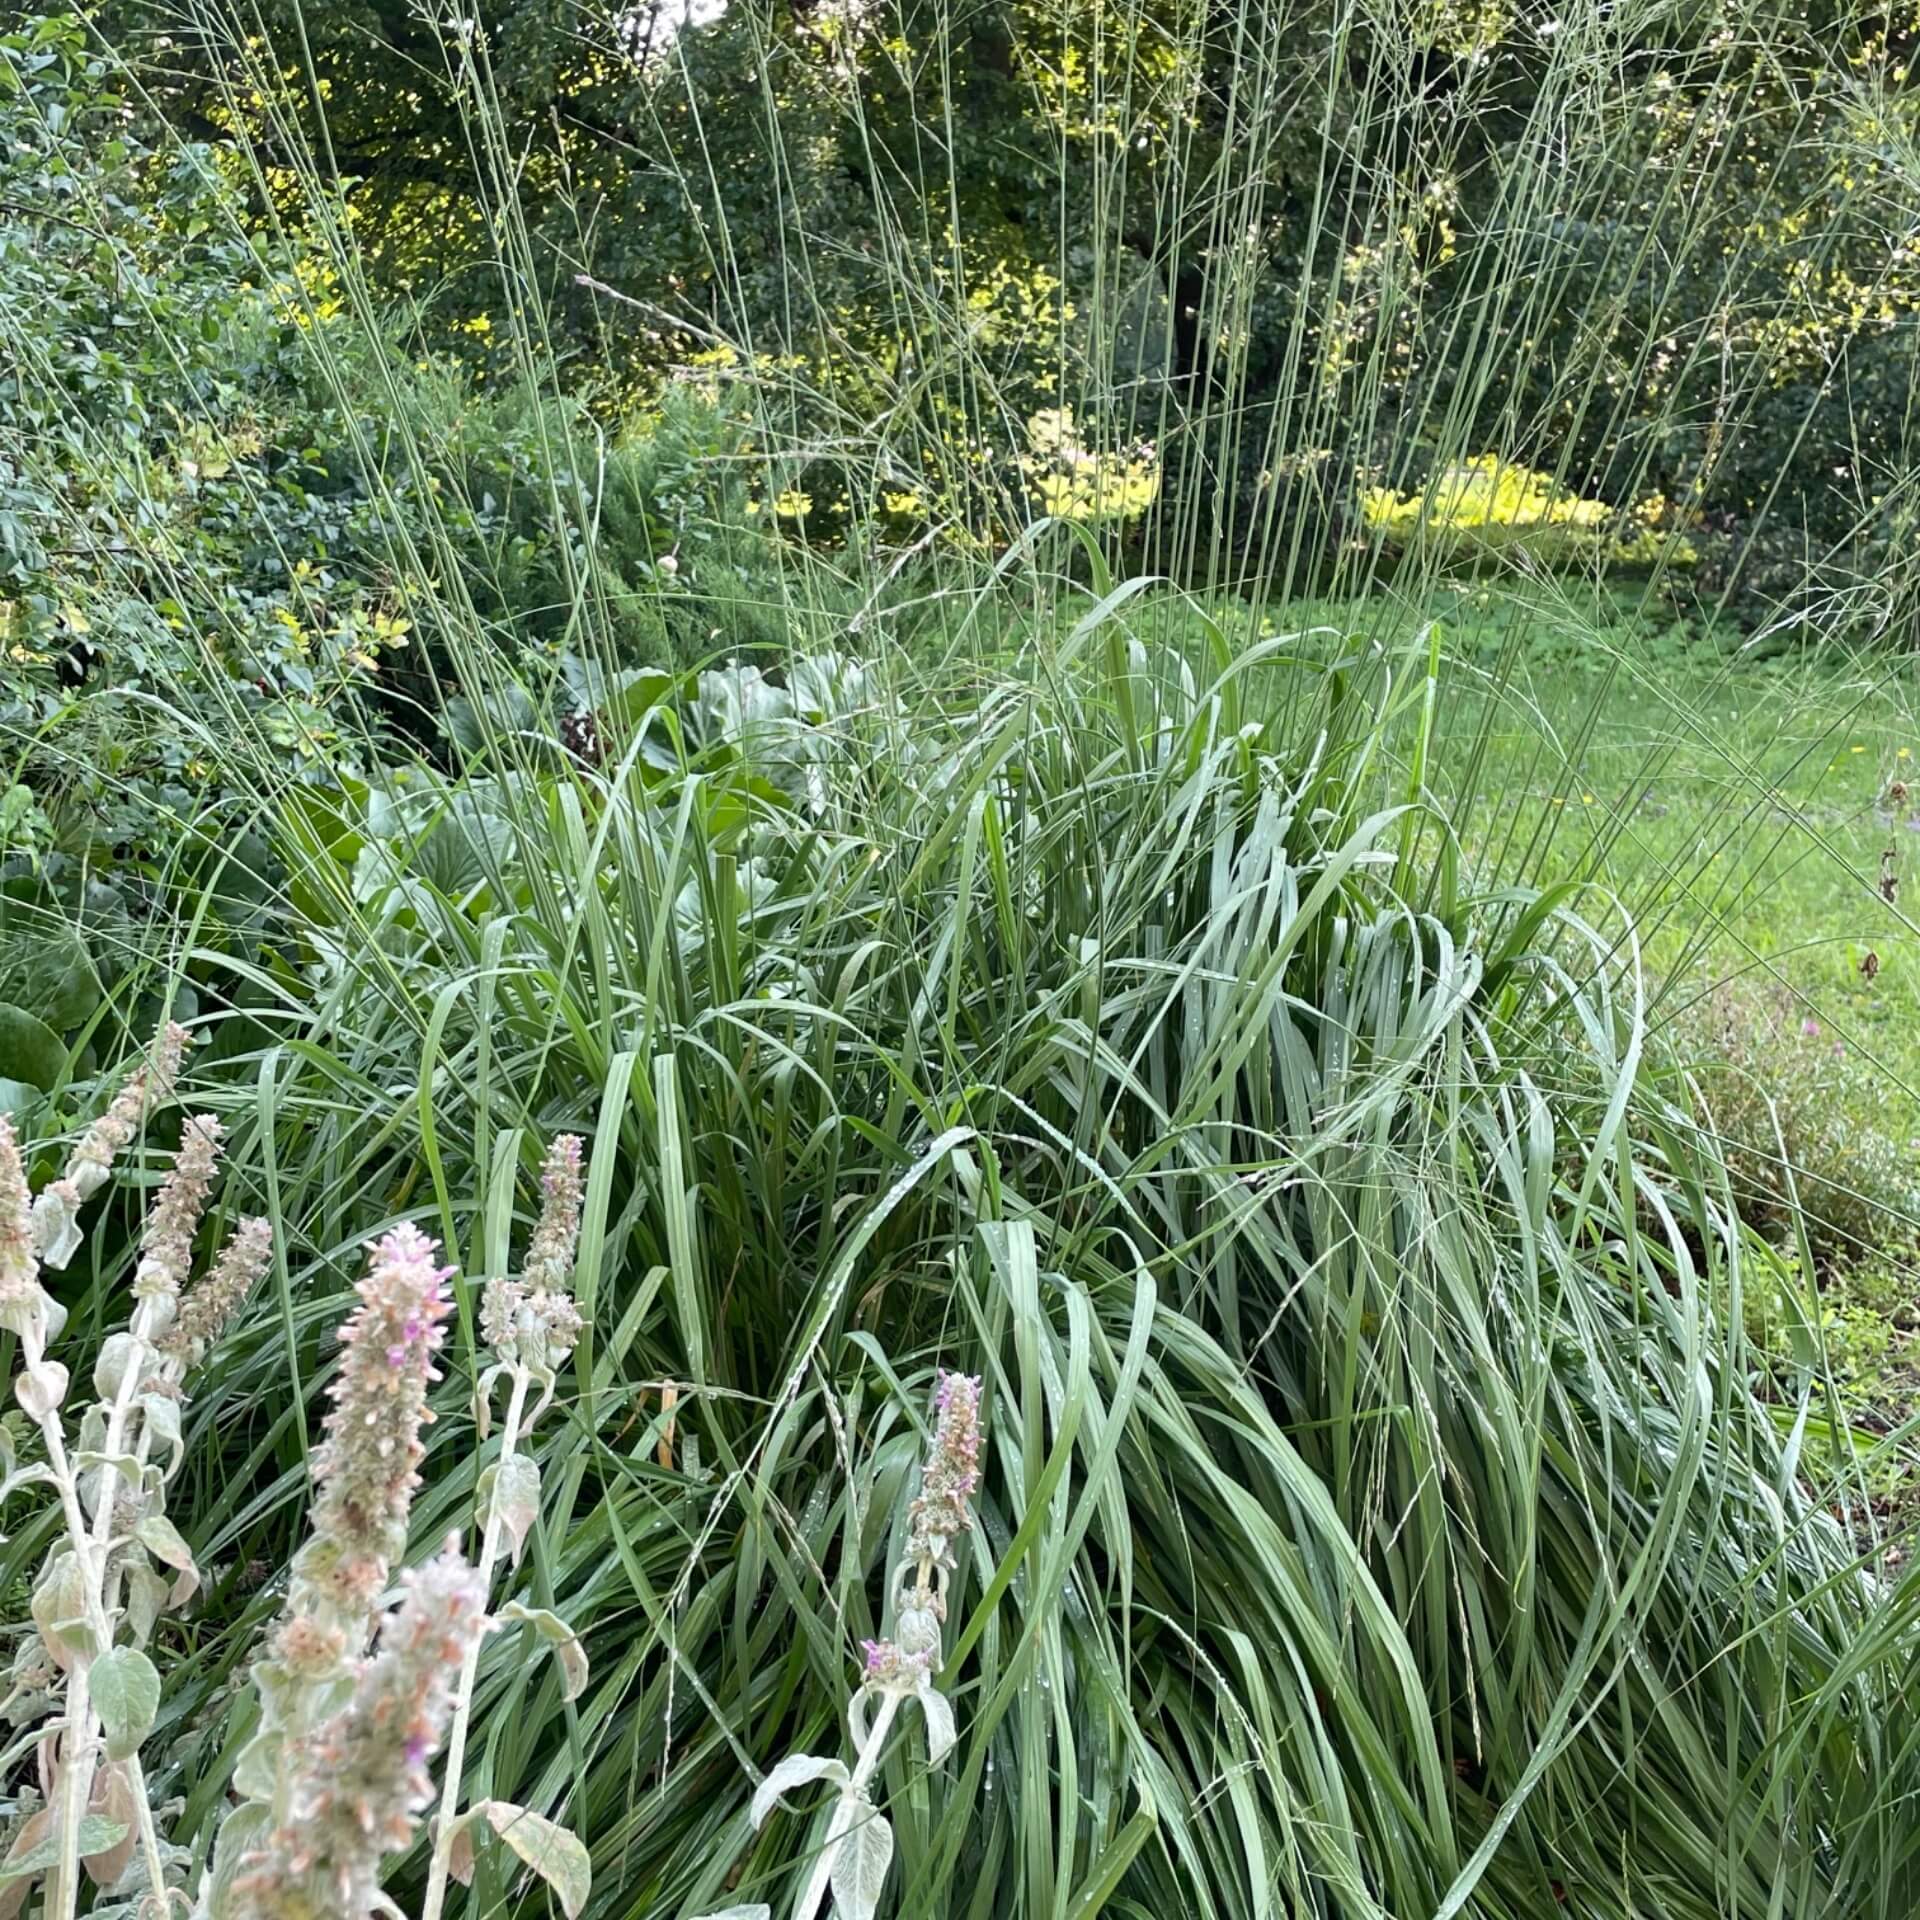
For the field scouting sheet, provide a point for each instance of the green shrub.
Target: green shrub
(1488, 508)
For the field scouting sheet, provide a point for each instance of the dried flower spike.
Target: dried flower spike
(952, 1473)
(56, 1213)
(207, 1311)
(166, 1244)
(557, 1233)
(532, 1321)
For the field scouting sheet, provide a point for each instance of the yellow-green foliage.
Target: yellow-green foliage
(1489, 505)
(1072, 481)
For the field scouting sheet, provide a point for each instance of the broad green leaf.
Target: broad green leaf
(126, 1693)
(30, 1050)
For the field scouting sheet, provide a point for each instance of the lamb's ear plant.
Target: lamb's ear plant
(531, 1325)
(118, 1560)
(858, 1849)
(311, 1682)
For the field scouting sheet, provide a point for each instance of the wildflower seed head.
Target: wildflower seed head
(362, 1780)
(209, 1309)
(166, 1246)
(951, 1475)
(367, 1467)
(550, 1253)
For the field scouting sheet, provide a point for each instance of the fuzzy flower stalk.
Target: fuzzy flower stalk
(336, 1775)
(367, 1468)
(365, 1472)
(531, 1325)
(858, 1849)
(361, 1782)
(56, 1213)
(119, 1561)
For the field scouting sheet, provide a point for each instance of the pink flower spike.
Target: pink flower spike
(951, 1475)
(367, 1468)
(361, 1780)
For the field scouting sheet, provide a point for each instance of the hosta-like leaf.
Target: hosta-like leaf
(548, 1848)
(796, 1770)
(860, 1867)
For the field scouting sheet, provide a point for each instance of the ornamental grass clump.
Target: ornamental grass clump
(118, 1560)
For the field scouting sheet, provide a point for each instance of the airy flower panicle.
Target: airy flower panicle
(363, 1779)
(209, 1308)
(166, 1245)
(951, 1475)
(367, 1466)
(550, 1253)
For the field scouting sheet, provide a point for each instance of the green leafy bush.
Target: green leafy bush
(1488, 507)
